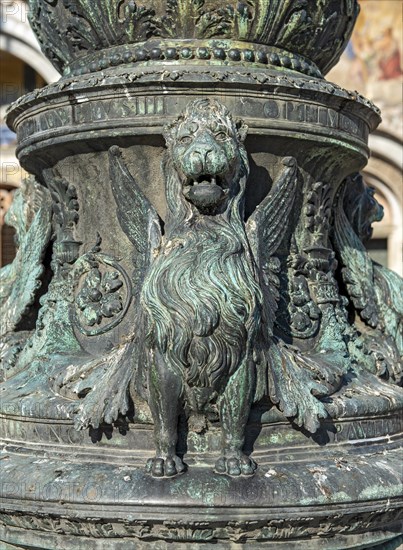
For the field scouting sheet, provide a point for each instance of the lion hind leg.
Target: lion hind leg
(234, 405)
(165, 390)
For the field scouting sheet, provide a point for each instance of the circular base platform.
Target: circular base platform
(337, 502)
(340, 489)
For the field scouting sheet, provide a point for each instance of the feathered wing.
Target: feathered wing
(105, 381)
(375, 291)
(265, 229)
(136, 215)
(358, 270)
(288, 378)
(294, 386)
(21, 280)
(389, 292)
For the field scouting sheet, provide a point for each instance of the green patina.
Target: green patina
(198, 293)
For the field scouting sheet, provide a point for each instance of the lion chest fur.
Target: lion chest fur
(201, 301)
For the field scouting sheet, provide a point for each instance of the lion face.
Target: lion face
(207, 151)
(361, 207)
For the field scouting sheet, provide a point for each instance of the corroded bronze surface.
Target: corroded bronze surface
(198, 348)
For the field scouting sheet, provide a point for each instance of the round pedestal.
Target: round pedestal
(337, 489)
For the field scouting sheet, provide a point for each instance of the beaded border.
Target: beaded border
(146, 53)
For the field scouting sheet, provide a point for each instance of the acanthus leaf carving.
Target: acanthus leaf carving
(206, 22)
(315, 31)
(65, 217)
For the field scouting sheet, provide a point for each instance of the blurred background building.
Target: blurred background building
(371, 64)
(22, 69)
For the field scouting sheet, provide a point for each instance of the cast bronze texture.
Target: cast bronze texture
(197, 348)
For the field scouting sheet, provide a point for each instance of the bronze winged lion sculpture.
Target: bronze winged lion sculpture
(203, 338)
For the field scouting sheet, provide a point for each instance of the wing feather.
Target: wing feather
(266, 228)
(22, 279)
(136, 215)
(294, 388)
(289, 379)
(358, 273)
(266, 225)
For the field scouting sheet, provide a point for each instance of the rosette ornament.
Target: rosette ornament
(303, 35)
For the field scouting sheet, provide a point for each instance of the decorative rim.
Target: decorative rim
(147, 74)
(44, 527)
(69, 30)
(195, 51)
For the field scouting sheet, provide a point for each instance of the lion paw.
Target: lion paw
(236, 465)
(165, 467)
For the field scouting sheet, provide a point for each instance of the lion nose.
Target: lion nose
(199, 160)
(205, 156)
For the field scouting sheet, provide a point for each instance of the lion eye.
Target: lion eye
(221, 136)
(185, 139)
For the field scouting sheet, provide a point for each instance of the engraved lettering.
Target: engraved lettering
(348, 124)
(271, 109)
(332, 118)
(141, 105)
(323, 118)
(312, 113)
(90, 112)
(159, 106)
(295, 112)
(54, 433)
(150, 106)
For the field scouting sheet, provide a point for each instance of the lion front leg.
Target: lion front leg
(235, 404)
(165, 388)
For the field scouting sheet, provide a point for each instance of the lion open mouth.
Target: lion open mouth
(206, 190)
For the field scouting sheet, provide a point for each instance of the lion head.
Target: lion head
(361, 207)
(207, 151)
